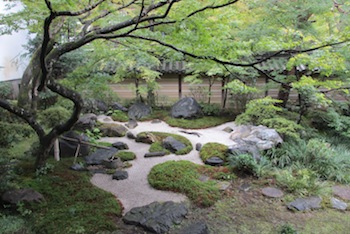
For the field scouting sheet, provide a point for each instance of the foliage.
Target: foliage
(70, 201)
(183, 177)
(210, 109)
(283, 126)
(118, 115)
(213, 149)
(204, 122)
(12, 224)
(126, 155)
(53, 116)
(5, 90)
(287, 229)
(11, 133)
(93, 134)
(246, 164)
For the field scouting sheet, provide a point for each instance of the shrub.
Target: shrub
(54, 116)
(247, 164)
(118, 115)
(183, 177)
(210, 109)
(283, 126)
(12, 133)
(126, 155)
(5, 90)
(213, 149)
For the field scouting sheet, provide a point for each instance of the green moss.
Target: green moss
(126, 155)
(183, 177)
(73, 204)
(204, 122)
(119, 116)
(213, 149)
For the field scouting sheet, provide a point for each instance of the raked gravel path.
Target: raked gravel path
(136, 191)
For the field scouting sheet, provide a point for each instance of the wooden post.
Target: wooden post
(56, 150)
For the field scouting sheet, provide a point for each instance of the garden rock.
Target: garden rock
(342, 191)
(27, 195)
(86, 122)
(113, 163)
(195, 228)
(223, 185)
(187, 108)
(272, 192)
(68, 148)
(338, 204)
(304, 204)
(242, 147)
(139, 110)
(120, 145)
(101, 106)
(120, 175)
(262, 137)
(118, 106)
(155, 154)
(173, 145)
(156, 121)
(78, 167)
(198, 146)
(100, 155)
(130, 135)
(131, 124)
(113, 130)
(146, 137)
(214, 161)
(157, 217)
(227, 129)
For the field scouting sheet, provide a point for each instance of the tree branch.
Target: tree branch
(211, 7)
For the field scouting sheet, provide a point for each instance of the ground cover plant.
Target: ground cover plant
(126, 155)
(72, 204)
(213, 149)
(158, 137)
(199, 123)
(184, 177)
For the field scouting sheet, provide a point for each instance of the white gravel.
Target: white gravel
(135, 191)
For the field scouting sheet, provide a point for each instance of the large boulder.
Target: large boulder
(187, 108)
(94, 106)
(27, 195)
(86, 122)
(68, 147)
(139, 110)
(113, 130)
(173, 145)
(100, 156)
(157, 217)
(260, 136)
(118, 106)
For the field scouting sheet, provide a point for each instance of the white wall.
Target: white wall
(11, 64)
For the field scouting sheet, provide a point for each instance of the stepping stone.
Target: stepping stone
(244, 187)
(338, 204)
(214, 161)
(303, 204)
(157, 217)
(223, 185)
(131, 124)
(272, 192)
(204, 178)
(120, 175)
(78, 167)
(155, 154)
(342, 191)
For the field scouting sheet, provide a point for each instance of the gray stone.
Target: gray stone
(86, 122)
(113, 130)
(303, 204)
(120, 145)
(155, 154)
(131, 124)
(120, 175)
(198, 146)
(242, 147)
(204, 178)
(113, 163)
(173, 145)
(146, 137)
(130, 135)
(78, 167)
(272, 192)
(214, 161)
(101, 106)
(157, 217)
(338, 204)
(227, 129)
(100, 155)
(187, 108)
(27, 195)
(156, 121)
(139, 110)
(223, 185)
(342, 191)
(196, 228)
(244, 187)
(118, 106)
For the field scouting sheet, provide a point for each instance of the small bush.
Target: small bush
(12, 133)
(54, 116)
(246, 164)
(5, 90)
(126, 155)
(183, 177)
(213, 149)
(211, 109)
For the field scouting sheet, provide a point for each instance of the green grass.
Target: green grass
(213, 149)
(73, 204)
(204, 122)
(160, 136)
(126, 155)
(183, 177)
(119, 116)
